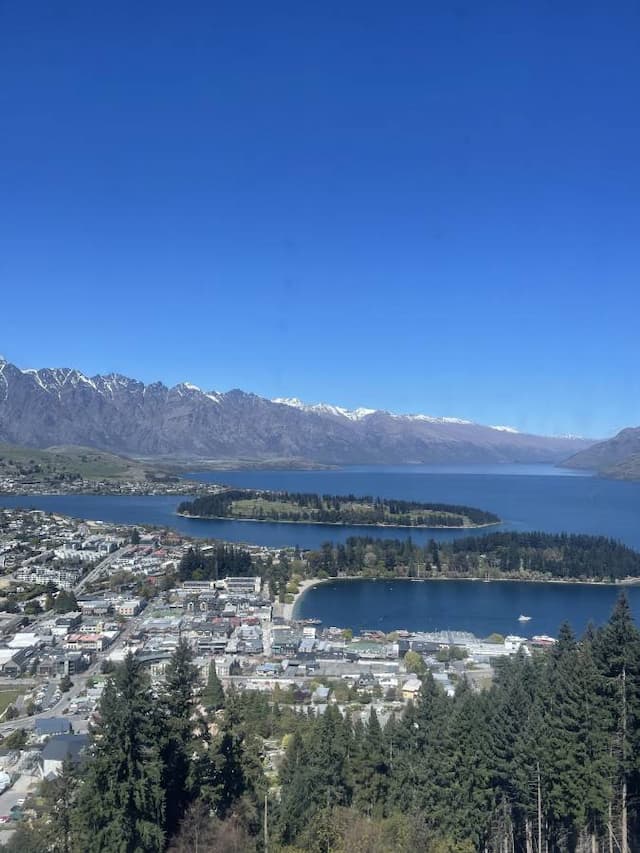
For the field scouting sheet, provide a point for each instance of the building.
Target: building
(155, 662)
(320, 695)
(24, 640)
(130, 607)
(284, 640)
(59, 748)
(50, 726)
(13, 662)
(243, 586)
(411, 688)
(59, 663)
(87, 642)
(95, 606)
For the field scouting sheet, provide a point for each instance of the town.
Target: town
(77, 485)
(78, 596)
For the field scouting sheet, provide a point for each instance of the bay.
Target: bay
(482, 608)
(526, 497)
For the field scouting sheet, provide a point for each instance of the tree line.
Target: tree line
(538, 555)
(334, 509)
(557, 555)
(221, 562)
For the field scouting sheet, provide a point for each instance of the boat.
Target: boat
(523, 618)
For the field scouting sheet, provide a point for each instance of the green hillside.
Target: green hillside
(57, 464)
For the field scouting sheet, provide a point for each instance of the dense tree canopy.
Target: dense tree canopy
(223, 561)
(558, 555)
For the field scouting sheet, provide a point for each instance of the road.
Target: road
(79, 685)
(97, 570)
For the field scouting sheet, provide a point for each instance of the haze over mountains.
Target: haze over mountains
(62, 406)
(618, 457)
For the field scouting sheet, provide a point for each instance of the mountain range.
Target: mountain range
(62, 406)
(618, 457)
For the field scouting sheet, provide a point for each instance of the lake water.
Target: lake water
(527, 497)
(481, 608)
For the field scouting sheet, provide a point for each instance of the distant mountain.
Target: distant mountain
(618, 457)
(62, 406)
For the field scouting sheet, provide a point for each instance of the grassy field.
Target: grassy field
(7, 697)
(413, 514)
(71, 462)
(251, 508)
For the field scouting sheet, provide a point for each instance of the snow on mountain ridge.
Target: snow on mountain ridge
(52, 380)
(325, 408)
(362, 412)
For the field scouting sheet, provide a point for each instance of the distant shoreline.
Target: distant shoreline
(390, 525)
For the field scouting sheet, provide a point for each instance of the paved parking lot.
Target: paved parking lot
(22, 786)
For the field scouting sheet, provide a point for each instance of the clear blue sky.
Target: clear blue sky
(424, 207)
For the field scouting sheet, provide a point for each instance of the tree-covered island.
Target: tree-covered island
(333, 509)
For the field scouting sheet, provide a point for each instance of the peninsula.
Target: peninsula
(248, 504)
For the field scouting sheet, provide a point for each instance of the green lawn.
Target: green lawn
(261, 508)
(251, 507)
(8, 697)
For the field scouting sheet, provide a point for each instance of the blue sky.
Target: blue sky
(424, 207)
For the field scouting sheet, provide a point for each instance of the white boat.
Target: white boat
(523, 618)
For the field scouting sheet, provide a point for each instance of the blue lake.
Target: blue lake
(526, 497)
(481, 608)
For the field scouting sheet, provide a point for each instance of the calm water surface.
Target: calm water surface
(481, 608)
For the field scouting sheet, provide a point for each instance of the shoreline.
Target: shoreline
(288, 609)
(309, 583)
(390, 525)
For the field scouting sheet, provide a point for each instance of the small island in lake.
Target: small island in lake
(248, 504)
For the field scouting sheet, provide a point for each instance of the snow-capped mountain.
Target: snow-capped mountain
(325, 408)
(54, 406)
(360, 413)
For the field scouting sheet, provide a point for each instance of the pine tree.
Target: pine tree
(121, 804)
(617, 653)
(467, 801)
(419, 755)
(179, 700)
(595, 734)
(371, 770)
(213, 693)
(58, 796)
(297, 789)
(566, 746)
